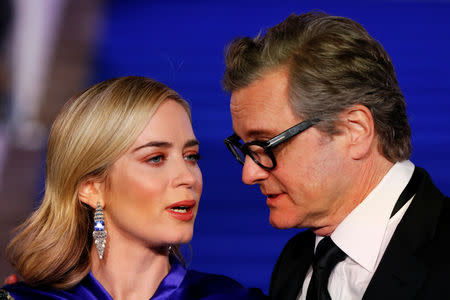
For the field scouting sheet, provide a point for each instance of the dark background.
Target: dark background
(181, 43)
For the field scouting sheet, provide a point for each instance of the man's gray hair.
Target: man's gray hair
(333, 64)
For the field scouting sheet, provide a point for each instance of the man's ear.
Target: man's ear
(90, 192)
(357, 123)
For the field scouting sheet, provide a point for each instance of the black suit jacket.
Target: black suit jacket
(415, 265)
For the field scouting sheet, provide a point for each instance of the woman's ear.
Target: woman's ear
(90, 192)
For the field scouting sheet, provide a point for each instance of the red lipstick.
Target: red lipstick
(182, 210)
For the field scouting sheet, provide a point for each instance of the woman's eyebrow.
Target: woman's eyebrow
(154, 144)
(191, 143)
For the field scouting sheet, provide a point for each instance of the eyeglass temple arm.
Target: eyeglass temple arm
(287, 134)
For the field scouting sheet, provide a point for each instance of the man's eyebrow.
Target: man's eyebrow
(154, 144)
(256, 133)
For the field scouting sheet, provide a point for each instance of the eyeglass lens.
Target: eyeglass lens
(259, 154)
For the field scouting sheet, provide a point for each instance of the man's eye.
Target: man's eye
(193, 157)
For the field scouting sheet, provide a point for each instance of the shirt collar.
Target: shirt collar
(361, 233)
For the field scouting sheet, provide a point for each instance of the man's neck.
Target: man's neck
(365, 176)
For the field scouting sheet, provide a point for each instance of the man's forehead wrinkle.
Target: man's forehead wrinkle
(255, 104)
(235, 106)
(256, 109)
(255, 118)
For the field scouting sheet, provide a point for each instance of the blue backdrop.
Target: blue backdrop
(181, 43)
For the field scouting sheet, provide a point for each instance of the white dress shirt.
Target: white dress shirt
(364, 235)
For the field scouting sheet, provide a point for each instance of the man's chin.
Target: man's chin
(280, 222)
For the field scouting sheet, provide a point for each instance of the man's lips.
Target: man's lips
(182, 210)
(272, 199)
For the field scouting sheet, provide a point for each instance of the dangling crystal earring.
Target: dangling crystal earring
(99, 233)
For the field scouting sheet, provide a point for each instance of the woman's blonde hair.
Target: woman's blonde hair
(52, 247)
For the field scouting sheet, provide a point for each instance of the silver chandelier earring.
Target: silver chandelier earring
(99, 233)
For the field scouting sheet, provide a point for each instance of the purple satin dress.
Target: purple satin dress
(178, 284)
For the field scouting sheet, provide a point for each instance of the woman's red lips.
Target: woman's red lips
(182, 210)
(189, 203)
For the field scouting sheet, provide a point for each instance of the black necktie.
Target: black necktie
(325, 259)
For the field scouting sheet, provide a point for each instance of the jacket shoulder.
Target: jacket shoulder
(294, 247)
(292, 265)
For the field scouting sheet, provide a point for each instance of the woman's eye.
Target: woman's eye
(156, 159)
(195, 157)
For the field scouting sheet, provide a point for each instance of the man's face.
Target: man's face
(304, 189)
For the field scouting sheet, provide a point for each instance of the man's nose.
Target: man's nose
(252, 173)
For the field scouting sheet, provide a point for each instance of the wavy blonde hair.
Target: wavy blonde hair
(52, 247)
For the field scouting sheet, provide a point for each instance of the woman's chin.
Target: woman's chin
(176, 238)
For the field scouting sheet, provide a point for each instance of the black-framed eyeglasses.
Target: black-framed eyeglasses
(261, 151)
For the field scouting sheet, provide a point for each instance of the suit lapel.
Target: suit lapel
(404, 267)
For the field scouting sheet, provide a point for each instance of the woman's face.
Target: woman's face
(152, 192)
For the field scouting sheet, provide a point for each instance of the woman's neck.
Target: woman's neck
(129, 270)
